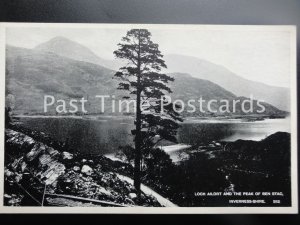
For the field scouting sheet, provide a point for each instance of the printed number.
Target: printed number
(276, 201)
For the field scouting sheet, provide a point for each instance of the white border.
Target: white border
(158, 210)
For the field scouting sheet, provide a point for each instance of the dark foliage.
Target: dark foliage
(144, 82)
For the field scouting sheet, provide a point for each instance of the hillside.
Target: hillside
(37, 174)
(198, 68)
(73, 50)
(31, 74)
(187, 87)
(277, 96)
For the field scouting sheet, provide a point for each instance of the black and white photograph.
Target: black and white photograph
(148, 118)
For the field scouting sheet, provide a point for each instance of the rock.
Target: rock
(18, 178)
(45, 159)
(7, 196)
(83, 160)
(76, 168)
(52, 151)
(23, 166)
(28, 140)
(15, 164)
(35, 151)
(14, 201)
(129, 201)
(53, 171)
(68, 180)
(132, 195)
(101, 190)
(8, 173)
(67, 155)
(86, 170)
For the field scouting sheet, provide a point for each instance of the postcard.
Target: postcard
(144, 118)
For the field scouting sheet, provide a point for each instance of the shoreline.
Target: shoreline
(204, 119)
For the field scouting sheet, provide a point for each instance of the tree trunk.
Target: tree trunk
(137, 160)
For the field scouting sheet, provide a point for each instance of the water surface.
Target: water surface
(103, 135)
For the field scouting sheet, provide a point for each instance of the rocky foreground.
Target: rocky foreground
(38, 174)
(41, 171)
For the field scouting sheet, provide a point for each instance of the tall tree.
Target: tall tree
(144, 81)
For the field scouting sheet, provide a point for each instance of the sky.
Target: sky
(256, 54)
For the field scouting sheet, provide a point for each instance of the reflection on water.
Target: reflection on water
(89, 136)
(259, 129)
(198, 132)
(105, 135)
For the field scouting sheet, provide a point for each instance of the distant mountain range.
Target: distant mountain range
(199, 68)
(66, 69)
(277, 96)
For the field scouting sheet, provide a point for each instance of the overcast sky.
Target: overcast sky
(259, 55)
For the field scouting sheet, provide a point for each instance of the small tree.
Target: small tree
(143, 80)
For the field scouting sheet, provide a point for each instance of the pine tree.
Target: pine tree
(144, 81)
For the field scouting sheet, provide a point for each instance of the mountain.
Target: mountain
(277, 96)
(31, 74)
(65, 47)
(186, 87)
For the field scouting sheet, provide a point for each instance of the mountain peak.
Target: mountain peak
(66, 47)
(55, 44)
(60, 39)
